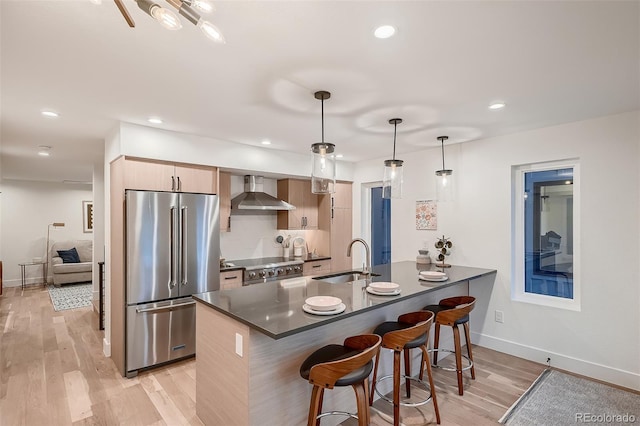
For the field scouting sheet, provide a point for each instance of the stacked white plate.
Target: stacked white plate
(432, 276)
(323, 305)
(381, 288)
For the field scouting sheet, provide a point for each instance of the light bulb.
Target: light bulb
(323, 163)
(211, 31)
(167, 18)
(203, 6)
(444, 180)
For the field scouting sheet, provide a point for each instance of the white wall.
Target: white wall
(98, 224)
(27, 208)
(147, 142)
(603, 339)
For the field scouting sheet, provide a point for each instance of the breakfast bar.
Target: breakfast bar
(252, 340)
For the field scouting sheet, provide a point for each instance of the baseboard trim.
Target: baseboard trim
(106, 348)
(18, 282)
(616, 376)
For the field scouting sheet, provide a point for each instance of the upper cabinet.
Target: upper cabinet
(298, 192)
(224, 193)
(163, 176)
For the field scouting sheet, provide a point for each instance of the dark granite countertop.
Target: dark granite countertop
(275, 308)
(227, 268)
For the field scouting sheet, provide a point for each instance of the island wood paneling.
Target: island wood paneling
(276, 392)
(222, 376)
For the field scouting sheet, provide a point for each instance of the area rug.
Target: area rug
(70, 296)
(556, 398)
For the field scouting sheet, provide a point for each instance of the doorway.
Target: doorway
(380, 219)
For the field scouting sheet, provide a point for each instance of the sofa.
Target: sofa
(72, 272)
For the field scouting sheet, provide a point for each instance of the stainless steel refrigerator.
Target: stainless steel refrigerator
(172, 252)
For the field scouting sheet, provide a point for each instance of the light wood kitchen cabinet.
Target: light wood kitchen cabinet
(298, 192)
(341, 226)
(154, 175)
(316, 267)
(224, 194)
(230, 279)
(335, 225)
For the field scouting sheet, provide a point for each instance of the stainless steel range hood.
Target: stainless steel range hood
(255, 200)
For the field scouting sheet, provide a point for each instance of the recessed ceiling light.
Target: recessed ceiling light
(339, 155)
(43, 150)
(154, 120)
(384, 31)
(497, 105)
(48, 113)
(266, 142)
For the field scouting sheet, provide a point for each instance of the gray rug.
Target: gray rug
(557, 398)
(70, 296)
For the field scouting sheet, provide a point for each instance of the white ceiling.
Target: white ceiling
(551, 62)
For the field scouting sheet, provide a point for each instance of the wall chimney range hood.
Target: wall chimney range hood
(255, 200)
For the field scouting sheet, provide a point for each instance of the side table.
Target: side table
(23, 271)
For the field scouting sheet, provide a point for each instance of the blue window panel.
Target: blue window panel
(380, 228)
(549, 233)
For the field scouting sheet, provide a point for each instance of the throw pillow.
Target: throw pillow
(69, 256)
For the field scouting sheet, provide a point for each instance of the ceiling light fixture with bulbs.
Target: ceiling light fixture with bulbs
(444, 177)
(392, 180)
(323, 168)
(189, 9)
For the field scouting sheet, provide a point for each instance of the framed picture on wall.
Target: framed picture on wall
(426, 215)
(87, 216)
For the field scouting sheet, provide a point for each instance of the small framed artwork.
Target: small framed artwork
(426, 215)
(87, 216)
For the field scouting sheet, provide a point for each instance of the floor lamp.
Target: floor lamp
(46, 265)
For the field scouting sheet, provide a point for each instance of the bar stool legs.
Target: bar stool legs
(410, 331)
(348, 364)
(452, 312)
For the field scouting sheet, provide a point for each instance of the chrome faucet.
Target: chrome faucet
(366, 270)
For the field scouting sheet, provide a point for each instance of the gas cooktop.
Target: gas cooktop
(269, 268)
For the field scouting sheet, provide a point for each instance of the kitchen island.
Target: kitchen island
(251, 340)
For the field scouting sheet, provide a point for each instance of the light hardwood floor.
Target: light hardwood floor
(52, 372)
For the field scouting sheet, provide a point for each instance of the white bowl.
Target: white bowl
(433, 274)
(323, 303)
(384, 287)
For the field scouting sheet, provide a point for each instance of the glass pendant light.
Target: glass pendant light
(323, 171)
(392, 181)
(444, 178)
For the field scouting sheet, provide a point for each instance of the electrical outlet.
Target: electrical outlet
(239, 344)
(499, 316)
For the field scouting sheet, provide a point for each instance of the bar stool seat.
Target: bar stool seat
(388, 326)
(348, 364)
(454, 311)
(409, 331)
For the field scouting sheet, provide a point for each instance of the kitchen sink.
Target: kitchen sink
(344, 277)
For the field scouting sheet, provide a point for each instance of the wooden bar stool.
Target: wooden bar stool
(452, 312)
(409, 331)
(348, 364)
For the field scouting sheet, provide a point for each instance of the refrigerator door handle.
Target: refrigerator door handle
(184, 245)
(172, 271)
(164, 308)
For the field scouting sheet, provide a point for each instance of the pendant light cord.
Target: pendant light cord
(322, 109)
(442, 145)
(395, 127)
